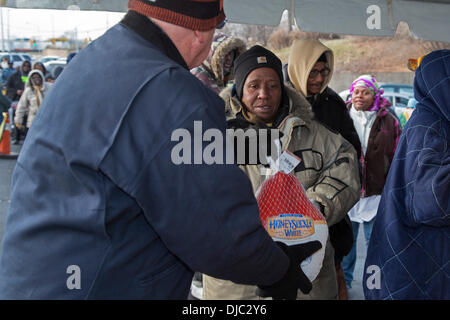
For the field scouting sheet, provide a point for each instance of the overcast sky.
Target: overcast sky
(44, 24)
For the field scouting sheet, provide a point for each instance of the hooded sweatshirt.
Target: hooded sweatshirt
(330, 110)
(211, 71)
(31, 99)
(327, 106)
(16, 82)
(302, 58)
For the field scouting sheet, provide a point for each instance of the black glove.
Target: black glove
(240, 123)
(294, 279)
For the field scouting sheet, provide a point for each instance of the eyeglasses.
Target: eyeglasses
(314, 72)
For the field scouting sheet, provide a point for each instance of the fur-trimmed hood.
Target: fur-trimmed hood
(298, 105)
(39, 72)
(221, 45)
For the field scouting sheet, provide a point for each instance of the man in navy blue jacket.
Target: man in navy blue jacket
(100, 210)
(409, 250)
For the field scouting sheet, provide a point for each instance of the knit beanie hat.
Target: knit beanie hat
(254, 58)
(200, 15)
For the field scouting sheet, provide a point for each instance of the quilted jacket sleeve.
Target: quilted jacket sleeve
(431, 189)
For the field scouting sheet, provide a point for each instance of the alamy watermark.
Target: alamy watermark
(251, 146)
(74, 279)
(374, 19)
(374, 280)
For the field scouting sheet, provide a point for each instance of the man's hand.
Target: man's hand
(18, 125)
(294, 279)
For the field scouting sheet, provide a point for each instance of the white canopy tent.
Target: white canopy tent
(427, 19)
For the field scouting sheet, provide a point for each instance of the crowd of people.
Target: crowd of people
(20, 102)
(139, 226)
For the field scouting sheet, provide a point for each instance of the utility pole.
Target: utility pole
(3, 34)
(53, 26)
(7, 30)
(291, 16)
(76, 39)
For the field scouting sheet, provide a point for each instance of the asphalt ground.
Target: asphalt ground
(6, 170)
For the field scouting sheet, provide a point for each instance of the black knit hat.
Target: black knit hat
(201, 15)
(254, 58)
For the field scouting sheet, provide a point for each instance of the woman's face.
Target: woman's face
(39, 67)
(36, 79)
(262, 93)
(362, 98)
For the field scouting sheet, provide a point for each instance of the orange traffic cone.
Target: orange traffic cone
(5, 139)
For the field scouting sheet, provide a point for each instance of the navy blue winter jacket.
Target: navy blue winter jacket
(98, 208)
(410, 241)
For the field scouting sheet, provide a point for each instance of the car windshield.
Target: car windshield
(401, 102)
(407, 90)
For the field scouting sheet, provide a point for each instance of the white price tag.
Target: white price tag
(288, 161)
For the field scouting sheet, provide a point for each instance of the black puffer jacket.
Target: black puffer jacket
(330, 110)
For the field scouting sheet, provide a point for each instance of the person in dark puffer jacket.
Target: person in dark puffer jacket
(409, 251)
(311, 66)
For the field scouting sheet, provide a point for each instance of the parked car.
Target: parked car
(55, 67)
(399, 102)
(345, 95)
(397, 88)
(27, 57)
(48, 58)
(16, 58)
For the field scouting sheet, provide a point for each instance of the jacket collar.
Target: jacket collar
(145, 28)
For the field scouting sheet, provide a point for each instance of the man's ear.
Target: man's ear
(199, 38)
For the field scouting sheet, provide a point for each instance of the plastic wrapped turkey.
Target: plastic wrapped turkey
(289, 216)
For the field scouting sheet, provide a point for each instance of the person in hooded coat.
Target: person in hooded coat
(309, 71)
(328, 170)
(16, 82)
(217, 70)
(409, 250)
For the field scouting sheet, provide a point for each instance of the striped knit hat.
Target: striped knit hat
(200, 15)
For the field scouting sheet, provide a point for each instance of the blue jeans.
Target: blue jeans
(349, 261)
